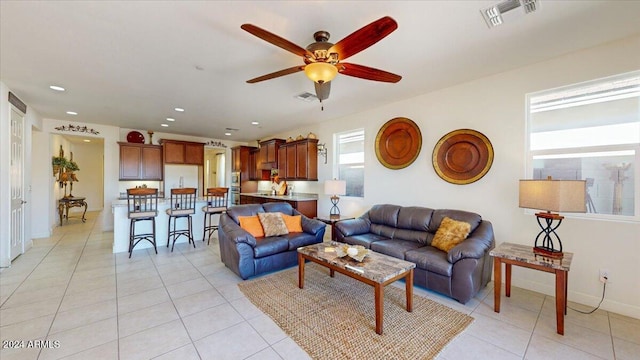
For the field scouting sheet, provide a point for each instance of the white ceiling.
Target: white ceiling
(128, 64)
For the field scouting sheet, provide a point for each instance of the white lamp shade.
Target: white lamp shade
(553, 195)
(335, 187)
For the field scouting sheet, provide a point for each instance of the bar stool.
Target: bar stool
(217, 200)
(183, 205)
(142, 205)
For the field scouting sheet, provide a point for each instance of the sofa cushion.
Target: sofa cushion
(395, 248)
(365, 239)
(273, 224)
(472, 218)
(297, 240)
(293, 222)
(413, 224)
(282, 207)
(450, 233)
(430, 259)
(244, 210)
(384, 215)
(252, 225)
(270, 245)
(383, 230)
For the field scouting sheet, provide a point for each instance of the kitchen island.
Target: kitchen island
(121, 225)
(307, 204)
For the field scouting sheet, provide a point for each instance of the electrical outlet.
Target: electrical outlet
(604, 276)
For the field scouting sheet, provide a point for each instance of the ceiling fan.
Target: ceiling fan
(323, 60)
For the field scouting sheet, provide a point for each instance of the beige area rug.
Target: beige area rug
(334, 318)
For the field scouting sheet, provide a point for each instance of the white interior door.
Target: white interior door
(17, 184)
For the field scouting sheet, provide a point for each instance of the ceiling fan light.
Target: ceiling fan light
(320, 72)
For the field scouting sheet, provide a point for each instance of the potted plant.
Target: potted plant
(58, 163)
(71, 166)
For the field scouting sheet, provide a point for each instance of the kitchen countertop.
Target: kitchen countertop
(294, 197)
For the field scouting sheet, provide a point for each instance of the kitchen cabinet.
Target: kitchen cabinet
(308, 208)
(269, 154)
(256, 172)
(140, 162)
(298, 160)
(240, 160)
(183, 152)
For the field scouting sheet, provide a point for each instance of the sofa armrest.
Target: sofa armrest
(310, 226)
(234, 232)
(353, 227)
(475, 246)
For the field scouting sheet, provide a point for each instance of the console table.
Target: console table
(69, 202)
(522, 255)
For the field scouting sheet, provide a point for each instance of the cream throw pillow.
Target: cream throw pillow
(273, 224)
(450, 233)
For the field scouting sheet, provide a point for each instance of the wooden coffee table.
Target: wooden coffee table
(377, 270)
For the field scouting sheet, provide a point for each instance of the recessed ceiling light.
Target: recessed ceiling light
(227, 134)
(72, 113)
(164, 125)
(56, 88)
(179, 109)
(86, 140)
(171, 119)
(255, 123)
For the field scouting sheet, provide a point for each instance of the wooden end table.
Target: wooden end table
(377, 270)
(68, 202)
(522, 255)
(332, 220)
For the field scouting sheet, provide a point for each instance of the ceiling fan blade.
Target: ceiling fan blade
(365, 72)
(276, 74)
(322, 90)
(277, 40)
(363, 38)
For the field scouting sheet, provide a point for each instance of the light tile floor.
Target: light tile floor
(70, 290)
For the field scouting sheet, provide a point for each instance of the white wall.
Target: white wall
(89, 157)
(41, 186)
(495, 106)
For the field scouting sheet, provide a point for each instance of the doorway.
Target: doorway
(88, 181)
(214, 167)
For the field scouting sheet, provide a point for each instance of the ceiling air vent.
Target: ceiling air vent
(306, 96)
(493, 14)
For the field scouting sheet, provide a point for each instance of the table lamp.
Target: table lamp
(335, 188)
(551, 195)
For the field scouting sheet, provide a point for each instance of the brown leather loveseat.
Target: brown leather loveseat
(407, 232)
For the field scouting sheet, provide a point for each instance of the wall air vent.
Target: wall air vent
(493, 14)
(306, 96)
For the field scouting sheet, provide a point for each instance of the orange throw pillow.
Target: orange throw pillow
(293, 222)
(450, 233)
(252, 225)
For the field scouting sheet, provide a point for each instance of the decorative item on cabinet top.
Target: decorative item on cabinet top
(398, 143)
(462, 156)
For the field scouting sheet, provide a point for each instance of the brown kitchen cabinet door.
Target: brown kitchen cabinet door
(194, 154)
(151, 165)
(173, 152)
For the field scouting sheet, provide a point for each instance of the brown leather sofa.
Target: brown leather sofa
(406, 233)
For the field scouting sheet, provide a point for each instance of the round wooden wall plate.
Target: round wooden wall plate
(398, 143)
(462, 156)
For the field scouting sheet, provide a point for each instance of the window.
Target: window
(590, 131)
(350, 160)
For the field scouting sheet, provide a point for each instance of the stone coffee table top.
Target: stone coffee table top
(525, 254)
(375, 266)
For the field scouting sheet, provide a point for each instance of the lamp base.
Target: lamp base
(548, 252)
